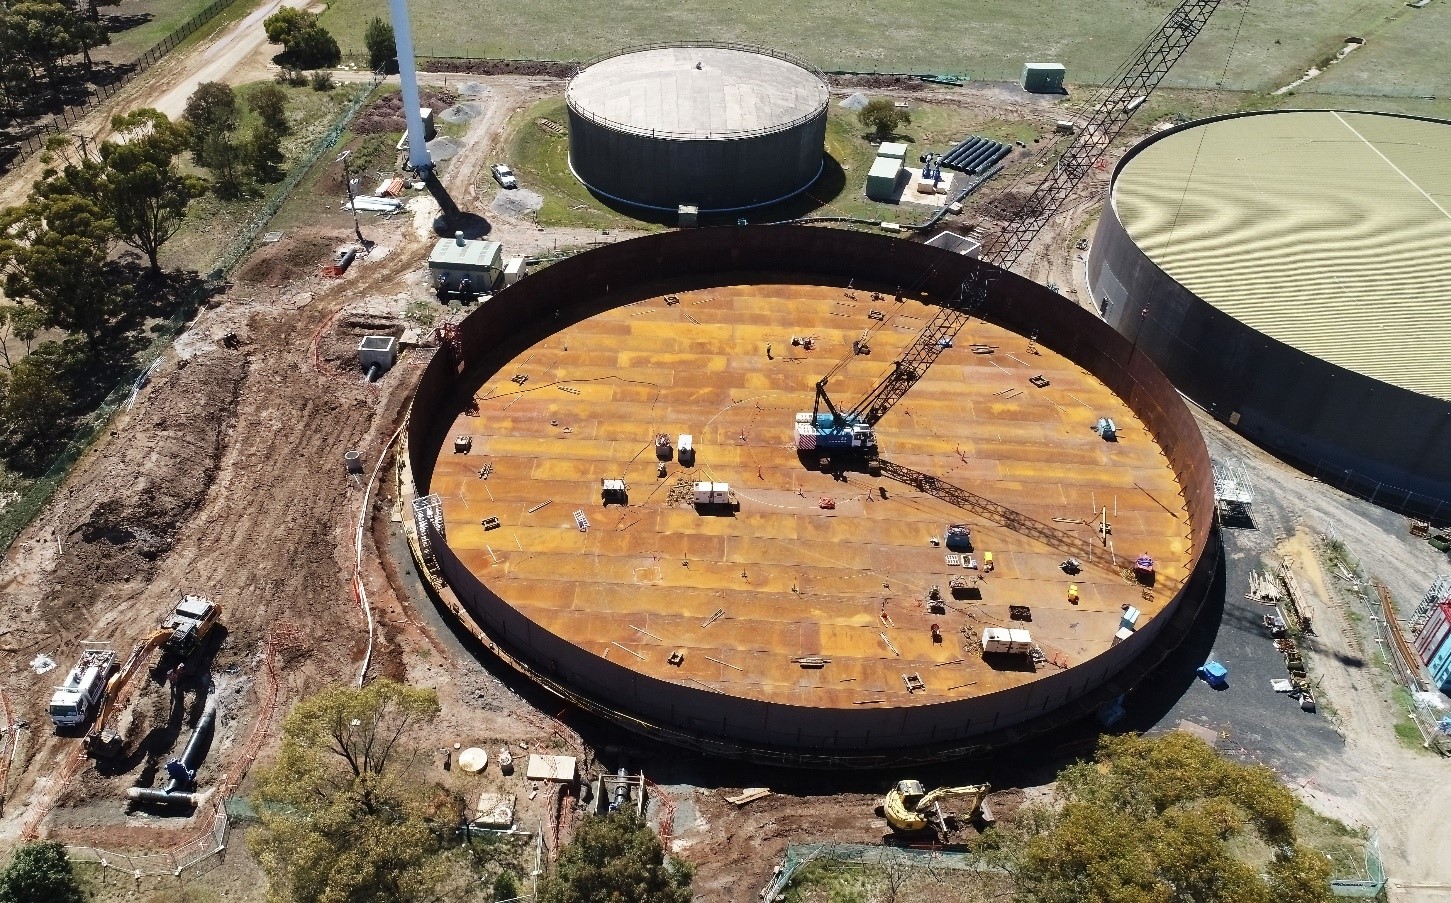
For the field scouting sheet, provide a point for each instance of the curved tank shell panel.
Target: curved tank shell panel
(715, 127)
(560, 376)
(1289, 272)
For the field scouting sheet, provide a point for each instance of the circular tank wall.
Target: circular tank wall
(707, 719)
(1289, 272)
(712, 126)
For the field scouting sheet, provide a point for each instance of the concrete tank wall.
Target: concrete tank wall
(712, 174)
(1394, 443)
(621, 273)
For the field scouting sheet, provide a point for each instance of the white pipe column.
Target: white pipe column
(419, 159)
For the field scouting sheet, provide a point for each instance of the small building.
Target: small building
(513, 270)
(1043, 78)
(883, 178)
(457, 259)
(894, 149)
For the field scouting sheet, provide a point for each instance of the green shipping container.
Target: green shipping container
(1043, 78)
(882, 180)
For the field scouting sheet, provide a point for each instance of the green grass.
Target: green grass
(990, 39)
(1406, 730)
(1344, 845)
(211, 223)
(166, 17)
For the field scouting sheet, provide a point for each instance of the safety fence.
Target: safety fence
(19, 510)
(798, 856)
(114, 866)
(1403, 501)
(1368, 885)
(69, 116)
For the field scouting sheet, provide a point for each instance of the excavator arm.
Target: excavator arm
(95, 740)
(909, 811)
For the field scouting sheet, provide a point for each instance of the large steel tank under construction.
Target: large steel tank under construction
(718, 127)
(797, 615)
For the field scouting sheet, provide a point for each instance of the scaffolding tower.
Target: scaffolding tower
(1438, 594)
(1233, 493)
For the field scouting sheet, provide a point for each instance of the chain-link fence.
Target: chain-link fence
(1403, 501)
(209, 839)
(1368, 885)
(798, 856)
(25, 505)
(37, 134)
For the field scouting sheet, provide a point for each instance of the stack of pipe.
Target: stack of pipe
(975, 154)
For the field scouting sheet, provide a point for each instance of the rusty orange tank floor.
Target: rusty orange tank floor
(742, 597)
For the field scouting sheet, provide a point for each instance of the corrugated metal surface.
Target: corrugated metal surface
(1328, 231)
(1431, 637)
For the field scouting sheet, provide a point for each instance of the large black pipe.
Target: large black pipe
(177, 790)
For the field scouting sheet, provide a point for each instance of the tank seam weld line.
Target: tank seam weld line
(1392, 165)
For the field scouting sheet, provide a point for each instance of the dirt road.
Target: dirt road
(230, 58)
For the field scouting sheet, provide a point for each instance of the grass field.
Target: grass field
(988, 39)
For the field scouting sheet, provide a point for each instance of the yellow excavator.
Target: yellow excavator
(179, 635)
(910, 809)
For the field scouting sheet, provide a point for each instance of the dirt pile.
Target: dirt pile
(386, 113)
(550, 68)
(372, 316)
(294, 257)
(161, 476)
(879, 82)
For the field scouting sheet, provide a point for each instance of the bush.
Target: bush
(883, 117)
(321, 80)
(39, 873)
(505, 887)
(295, 78)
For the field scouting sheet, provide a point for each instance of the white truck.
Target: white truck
(74, 700)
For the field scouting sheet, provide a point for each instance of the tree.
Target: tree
(306, 44)
(883, 117)
(54, 253)
(1151, 820)
(42, 33)
(21, 322)
(381, 44)
(211, 110)
(35, 413)
(340, 820)
(264, 153)
(40, 873)
(142, 190)
(284, 24)
(225, 158)
(270, 103)
(616, 859)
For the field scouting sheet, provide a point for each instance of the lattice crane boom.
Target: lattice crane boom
(1108, 113)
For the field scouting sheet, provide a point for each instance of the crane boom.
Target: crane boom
(1109, 112)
